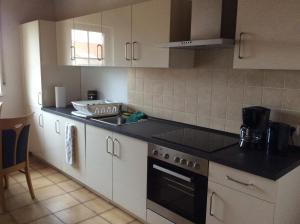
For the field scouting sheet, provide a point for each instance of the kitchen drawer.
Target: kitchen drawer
(153, 218)
(242, 181)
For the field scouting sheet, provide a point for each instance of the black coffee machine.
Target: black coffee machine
(254, 128)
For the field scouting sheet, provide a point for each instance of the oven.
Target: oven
(177, 185)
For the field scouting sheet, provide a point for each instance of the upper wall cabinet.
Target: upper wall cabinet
(64, 42)
(268, 34)
(128, 37)
(160, 21)
(116, 29)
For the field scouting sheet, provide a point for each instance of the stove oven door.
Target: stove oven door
(175, 193)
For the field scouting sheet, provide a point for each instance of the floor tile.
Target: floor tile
(116, 216)
(48, 192)
(37, 165)
(98, 205)
(38, 183)
(47, 171)
(60, 202)
(83, 195)
(20, 177)
(6, 219)
(57, 178)
(69, 186)
(29, 213)
(11, 180)
(75, 214)
(95, 220)
(136, 222)
(51, 219)
(18, 201)
(14, 189)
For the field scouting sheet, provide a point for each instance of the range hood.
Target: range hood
(213, 24)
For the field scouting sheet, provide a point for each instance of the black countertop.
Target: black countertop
(255, 162)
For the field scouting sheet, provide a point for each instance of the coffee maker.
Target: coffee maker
(254, 128)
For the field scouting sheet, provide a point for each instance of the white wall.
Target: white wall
(111, 83)
(12, 14)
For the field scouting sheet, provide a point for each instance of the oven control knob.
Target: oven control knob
(196, 166)
(166, 156)
(176, 159)
(154, 152)
(190, 164)
(183, 161)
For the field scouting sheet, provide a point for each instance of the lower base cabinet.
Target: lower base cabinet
(228, 206)
(116, 167)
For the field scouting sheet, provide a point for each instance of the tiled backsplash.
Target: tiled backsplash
(212, 94)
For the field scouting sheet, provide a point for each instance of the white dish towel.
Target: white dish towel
(70, 139)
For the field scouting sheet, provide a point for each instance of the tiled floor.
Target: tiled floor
(58, 200)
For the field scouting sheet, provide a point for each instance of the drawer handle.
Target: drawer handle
(239, 182)
(210, 204)
(240, 45)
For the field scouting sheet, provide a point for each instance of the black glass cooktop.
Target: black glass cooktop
(198, 139)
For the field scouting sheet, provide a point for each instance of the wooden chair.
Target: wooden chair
(14, 133)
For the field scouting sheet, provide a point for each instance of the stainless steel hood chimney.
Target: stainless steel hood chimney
(213, 24)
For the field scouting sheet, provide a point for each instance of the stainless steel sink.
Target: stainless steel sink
(115, 120)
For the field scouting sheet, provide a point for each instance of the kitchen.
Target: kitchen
(191, 67)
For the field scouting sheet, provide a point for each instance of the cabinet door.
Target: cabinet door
(53, 140)
(99, 160)
(269, 35)
(88, 40)
(150, 27)
(130, 174)
(77, 169)
(116, 28)
(36, 137)
(227, 206)
(65, 48)
(31, 63)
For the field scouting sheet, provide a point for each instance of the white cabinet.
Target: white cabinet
(87, 40)
(99, 160)
(116, 29)
(267, 36)
(156, 22)
(31, 52)
(36, 137)
(53, 140)
(227, 206)
(130, 174)
(65, 49)
(77, 169)
(116, 167)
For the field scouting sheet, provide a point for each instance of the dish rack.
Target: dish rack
(96, 108)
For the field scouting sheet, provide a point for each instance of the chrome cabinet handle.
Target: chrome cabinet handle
(117, 154)
(239, 182)
(240, 45)
(72, 53)
(101, 51)
(40, 121)
(39, 99)
(108, 138)
(133, 50)
(126, 51)
(210, 203)
(57, 128)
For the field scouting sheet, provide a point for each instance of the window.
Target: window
(88, 44)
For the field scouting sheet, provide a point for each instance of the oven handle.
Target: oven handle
(172, 173)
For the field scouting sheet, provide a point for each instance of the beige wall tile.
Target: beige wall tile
(235, 94)
(253, 96)
(179, 104)
(254, 77)
(220, 77)
(234, 112)
(139, 85)
(292, 80)
(272, 97)
(292, 100)
(218, 110)
(148, 100)
(168, 102)
(274, 78)
(236, 78)
(219, 94)
(218, 124)
(179, 88)
(204, 78)
(158, 87)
